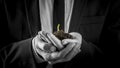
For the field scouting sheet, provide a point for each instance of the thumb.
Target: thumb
(66, 41)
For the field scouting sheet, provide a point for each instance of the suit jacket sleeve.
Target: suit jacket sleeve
(110, 37)
(19, 54)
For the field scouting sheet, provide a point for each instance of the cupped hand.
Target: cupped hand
(42, 45)
(71, 49)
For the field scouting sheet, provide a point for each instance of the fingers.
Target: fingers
(66, 50)
(62, 53)
(42, 48)
(43, 54)
(76, 36)
(53, 56)
(39, 43)
(66, 41)
(73, 53)
(57, 61)
(47, 47)
(55, 41)
(43, 36)
(72, 49)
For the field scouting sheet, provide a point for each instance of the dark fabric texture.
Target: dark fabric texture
(96, 20)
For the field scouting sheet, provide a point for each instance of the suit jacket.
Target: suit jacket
(96, 20)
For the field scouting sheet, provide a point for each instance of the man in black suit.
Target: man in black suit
(89, 18)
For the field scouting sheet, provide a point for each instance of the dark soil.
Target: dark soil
(61, 35)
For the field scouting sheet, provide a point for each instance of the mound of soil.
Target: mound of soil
(61, 35)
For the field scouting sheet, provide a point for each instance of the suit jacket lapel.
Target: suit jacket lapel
(76, 15)
(33, 16)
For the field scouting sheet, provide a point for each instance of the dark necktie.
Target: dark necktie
(58, 14)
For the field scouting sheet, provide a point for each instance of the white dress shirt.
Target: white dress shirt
(46, 14)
